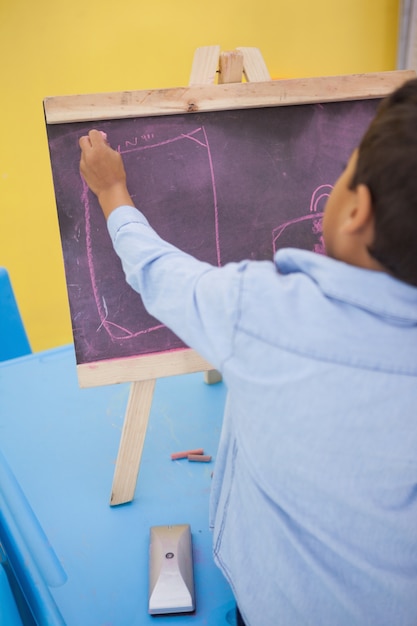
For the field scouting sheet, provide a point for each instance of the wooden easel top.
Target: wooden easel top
(203, 94)
(228, 67)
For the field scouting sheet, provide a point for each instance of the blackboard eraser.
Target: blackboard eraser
(171, 576)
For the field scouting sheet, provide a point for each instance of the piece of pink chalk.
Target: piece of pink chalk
(104, 134)
(186, 453)
(200, 458)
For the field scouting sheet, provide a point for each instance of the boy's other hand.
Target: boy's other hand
(103, 170)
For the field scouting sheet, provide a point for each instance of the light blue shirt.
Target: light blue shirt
(314, 495)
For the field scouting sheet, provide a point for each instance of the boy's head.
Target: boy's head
(386, 164)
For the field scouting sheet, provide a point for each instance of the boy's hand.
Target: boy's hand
(103, 170)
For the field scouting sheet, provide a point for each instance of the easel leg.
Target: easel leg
(131, 443)
(205, 65)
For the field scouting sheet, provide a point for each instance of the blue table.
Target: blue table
(61, 444)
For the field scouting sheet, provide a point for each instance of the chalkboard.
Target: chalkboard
(222, 185)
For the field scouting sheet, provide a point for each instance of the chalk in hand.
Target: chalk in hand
(186, 453)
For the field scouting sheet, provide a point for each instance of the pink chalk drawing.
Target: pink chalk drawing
(314, 218)
(114, 330)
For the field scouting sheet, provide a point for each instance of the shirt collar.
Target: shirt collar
(377, 292)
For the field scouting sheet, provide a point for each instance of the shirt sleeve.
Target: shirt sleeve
(197, 301)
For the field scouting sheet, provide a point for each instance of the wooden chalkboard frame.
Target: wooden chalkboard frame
(201, 98)
(198, 98)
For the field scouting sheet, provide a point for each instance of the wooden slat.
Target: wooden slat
(231, 67)
(205, 66)
(131, 442)
(137, 368)
(254, 66)
(95, 107)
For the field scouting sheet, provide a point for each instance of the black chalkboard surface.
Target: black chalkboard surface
(224, 172)
(224, 186)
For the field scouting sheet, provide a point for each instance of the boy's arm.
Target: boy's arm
(197, 301)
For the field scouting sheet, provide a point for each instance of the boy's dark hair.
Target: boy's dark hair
(387, 165)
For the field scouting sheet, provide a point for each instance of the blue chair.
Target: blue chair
(9, 614)
(13, 338)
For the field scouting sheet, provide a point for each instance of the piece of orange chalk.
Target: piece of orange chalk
(186, 453)
(201, 458)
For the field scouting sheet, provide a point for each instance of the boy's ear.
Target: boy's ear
(360, 216)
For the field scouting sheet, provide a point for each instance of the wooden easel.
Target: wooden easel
(205, 96)
(208, 64)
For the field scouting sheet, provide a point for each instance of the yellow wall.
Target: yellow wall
(52, 47)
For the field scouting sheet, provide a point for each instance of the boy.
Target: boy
(314, 497)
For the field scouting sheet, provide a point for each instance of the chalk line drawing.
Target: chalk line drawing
(114, 330)
(314, 216)
(198, 135)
